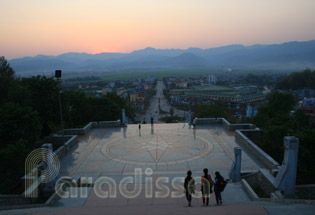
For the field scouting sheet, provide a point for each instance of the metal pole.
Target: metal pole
(60, 108)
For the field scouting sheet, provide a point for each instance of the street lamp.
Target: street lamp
(58, 77)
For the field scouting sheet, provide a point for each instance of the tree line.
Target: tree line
(29, 111)
(298, 80)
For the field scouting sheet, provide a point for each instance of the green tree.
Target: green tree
(300, 121)
(80, 109)
(279, 105)
(29, 110)
(212, 110)
(18, 123)
(298, 80)
(274, 118)
(12, 161)
(76, 109)
(6, 79)
(306, 157)
(5, 69)
(43, 97)
(130, 113)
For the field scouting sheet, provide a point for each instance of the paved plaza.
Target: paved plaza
(162, 152)
(167, 149)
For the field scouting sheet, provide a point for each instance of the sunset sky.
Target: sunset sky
(52, 27)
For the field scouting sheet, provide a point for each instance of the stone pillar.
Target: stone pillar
(235, 171)
(286, 177)
(123, 116)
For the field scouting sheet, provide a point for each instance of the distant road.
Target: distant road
(153, 109)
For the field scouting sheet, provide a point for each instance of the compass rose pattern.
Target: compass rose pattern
(156, 149)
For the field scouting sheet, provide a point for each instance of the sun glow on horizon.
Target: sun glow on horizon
(53, 27)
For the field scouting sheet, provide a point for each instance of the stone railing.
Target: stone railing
(224, 122)
(244, 141)
(62, 150)
(78, 131)
(89, 126)
(233, 127)
(107, 124)
(245, 134)
(262, 181)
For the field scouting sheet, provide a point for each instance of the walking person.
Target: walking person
(152, 119)
(206, 187)
(189, 186)
(219, 185)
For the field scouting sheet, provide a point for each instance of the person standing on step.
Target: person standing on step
(219, 185)
(189, 186)
(206, 187)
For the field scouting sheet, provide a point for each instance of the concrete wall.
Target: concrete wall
(56, 140)
(91, 125)
(207, 121)
(233, 127)
(251, 193)
(78, 131)
(224, 122)
(59, 148)
(262, 180)
(107, 124)
(244, 141)
(73, 140)
(61, 152)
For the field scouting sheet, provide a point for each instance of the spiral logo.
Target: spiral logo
(51, 167)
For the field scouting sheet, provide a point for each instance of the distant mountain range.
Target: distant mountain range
(296, 55)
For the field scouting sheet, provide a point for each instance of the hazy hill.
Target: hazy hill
(297, 55)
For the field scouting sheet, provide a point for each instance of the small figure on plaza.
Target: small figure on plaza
(152, 120)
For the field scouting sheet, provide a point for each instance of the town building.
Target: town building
(221, 93)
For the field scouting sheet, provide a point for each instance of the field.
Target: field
(160, 73)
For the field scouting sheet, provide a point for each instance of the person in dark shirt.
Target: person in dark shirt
(189, 186)
(219, 184)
